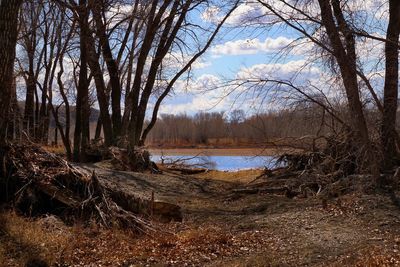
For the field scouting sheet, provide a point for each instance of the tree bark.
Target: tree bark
(129, 120)
(390, 154)
(113, 71)
(82, 134)
(346, 58)
(93, 60)
(8, 38)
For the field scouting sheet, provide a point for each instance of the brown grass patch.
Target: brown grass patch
(24, 239)
(58, 150)
(243, 176)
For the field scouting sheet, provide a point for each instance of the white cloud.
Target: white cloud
(205, 95)
(211, 93)
(254, 13)
(201, 64)
(177, 60)
(248, 13)
(297, 71)
(210, 13)
(244, 14)
(252, 46)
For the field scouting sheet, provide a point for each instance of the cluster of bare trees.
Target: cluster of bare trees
(189, 130)
(235, 128)
(115, 55)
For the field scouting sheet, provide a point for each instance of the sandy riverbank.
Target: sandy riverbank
(221, 151)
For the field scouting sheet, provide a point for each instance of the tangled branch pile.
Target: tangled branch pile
(336, 169)
(39, 182)
(121, 159)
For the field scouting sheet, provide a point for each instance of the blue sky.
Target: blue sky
(234, 49)
(258, 52)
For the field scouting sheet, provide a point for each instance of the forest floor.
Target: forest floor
(219, 228)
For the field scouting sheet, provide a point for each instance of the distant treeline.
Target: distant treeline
(235, 128)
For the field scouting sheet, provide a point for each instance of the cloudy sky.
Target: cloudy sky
(250, 48)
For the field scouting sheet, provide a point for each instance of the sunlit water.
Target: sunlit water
(221, 163)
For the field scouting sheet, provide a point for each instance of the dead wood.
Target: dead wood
(39, 182)
(121, 159)
(332, 171)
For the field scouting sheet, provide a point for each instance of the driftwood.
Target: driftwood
(39, 182)
(202, 163)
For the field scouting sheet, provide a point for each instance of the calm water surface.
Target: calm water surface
(222, 163)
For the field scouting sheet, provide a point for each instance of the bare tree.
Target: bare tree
(149, 34)
(389, 135)
(172, 82)
(31, 67)
(8, 38)
(334, 30)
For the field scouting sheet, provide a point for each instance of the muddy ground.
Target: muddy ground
(221, 228)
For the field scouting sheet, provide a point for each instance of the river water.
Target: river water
(221, 163)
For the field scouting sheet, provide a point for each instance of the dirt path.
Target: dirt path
(282, 231)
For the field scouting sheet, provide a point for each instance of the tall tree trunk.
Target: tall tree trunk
(345, 55)
(8, 38)
(113, 71)
(130, 116)
(99, 126)
(29, 111)
(82, 134)
(93, 60)
(14, 110)
(64, 134)
(390, 155)
(138, 104)
(56, 132)
(342, 41)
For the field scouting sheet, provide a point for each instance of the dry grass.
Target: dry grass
(58, 150)
(243, 176)
(23, 240)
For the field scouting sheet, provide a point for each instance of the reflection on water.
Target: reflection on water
(222, 163)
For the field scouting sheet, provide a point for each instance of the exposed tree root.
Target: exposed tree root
(38, 182)
(122, 159)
